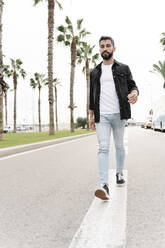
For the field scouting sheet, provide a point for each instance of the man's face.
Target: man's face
(106, 49)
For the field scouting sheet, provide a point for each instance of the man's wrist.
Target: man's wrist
(135, 91)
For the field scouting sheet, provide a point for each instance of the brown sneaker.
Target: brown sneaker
(103, 192)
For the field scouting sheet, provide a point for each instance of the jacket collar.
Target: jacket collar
(98, 67)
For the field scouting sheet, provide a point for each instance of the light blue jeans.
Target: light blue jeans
(107, 123)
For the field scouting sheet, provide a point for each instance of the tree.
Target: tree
(162, 40)
(84, 54)
(15, 70)
(56, 81)
(5, 96)
(69, 38)
(1, 74)
(38, 81)
(81, 122)
(51, 7)
(160, 69)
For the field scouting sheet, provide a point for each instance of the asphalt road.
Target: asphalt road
(45, 194)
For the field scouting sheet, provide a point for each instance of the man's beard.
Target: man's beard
(106, 56)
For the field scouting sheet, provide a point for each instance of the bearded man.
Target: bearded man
(112, 90)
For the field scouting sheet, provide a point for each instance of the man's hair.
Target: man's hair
(107, 38)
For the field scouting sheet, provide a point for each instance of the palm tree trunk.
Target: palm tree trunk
(87, 80)
(55, 89)
(15, 99)
(164, 85)
(39, 108)
(51, 5)
(72, 75)
(1, 74)
(5, 94)
(1, 112)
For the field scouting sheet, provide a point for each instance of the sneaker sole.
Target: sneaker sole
(101, 194)
(120, 184)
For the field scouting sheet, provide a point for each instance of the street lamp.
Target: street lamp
(151, 111)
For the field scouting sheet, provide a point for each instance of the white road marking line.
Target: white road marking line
(126, 140)
(105, 222)
(42, 148)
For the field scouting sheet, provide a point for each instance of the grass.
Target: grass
(14, 139)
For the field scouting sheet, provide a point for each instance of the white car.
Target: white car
(19, 128)
(7, 129)
(159, 123)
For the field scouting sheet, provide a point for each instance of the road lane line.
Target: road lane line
(104, 225)
(126, 140)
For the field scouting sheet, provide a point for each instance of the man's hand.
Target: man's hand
(133, 96)
(92, 124)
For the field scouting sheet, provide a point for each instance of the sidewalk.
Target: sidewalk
(22, 148)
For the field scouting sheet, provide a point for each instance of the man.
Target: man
(112, 89)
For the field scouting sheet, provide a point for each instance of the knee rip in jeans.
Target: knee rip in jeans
(103, 148)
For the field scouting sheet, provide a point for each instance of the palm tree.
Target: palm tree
(5, 96)
(1, 74)
(38, 80)
(160, 69)
(163, 41)
(85, 54)
(56, 81)
(15, 71)
(51, 7)
(69, 38)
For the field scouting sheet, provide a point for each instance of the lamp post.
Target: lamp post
(151, 102)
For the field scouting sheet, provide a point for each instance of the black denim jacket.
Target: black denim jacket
(124, 84)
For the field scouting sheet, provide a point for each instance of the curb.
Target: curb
(22, 148)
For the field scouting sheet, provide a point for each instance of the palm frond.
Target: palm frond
(61, 28)
(56, 81)
(70, 28)
(79, 23)
(162, 40)
(60, 38)
(12, 63)
(77, 39)
(33, 83)
(160, 69)
(37, 1)
(84, 69)
(90, 49)
(79, 61)
(83, 33)
(79, 52)
(23, 73)
(59, 5)
(18, 62)
(68, 21)
(68, 36)
(67, 43)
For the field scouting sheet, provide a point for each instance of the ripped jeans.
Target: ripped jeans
(107, 123)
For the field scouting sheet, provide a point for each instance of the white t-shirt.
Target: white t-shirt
(109, 102)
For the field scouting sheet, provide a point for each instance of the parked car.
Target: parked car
(19, 128)
(148, 124)
(159, 123)
(131, 122)
(7, 129)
